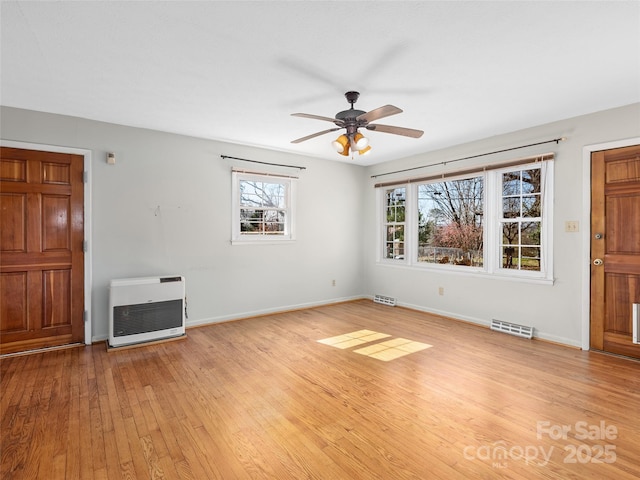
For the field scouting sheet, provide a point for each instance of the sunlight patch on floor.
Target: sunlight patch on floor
(392, 349)
(352, 339)
(385, 351)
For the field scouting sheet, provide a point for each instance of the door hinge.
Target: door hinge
(85, 316)
(85, 246)
(85, 176)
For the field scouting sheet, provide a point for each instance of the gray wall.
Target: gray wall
(336, 224)
(191, 235)
(555, 311)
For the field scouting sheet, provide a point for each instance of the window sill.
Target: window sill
(266, 241)
(468, 272)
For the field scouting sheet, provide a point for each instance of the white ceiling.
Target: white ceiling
(235, 71)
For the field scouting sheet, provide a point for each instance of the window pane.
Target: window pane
(530, 258)
(510, 183)
(510, 233)
(531, 181)
(530, 233)
(395, 250)
(511, 207)
(395, 214)
(264, 222)
(510, 255)
(531, 206)
(262, 194)
(450, 222)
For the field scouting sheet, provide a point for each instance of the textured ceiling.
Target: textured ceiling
(235, 71)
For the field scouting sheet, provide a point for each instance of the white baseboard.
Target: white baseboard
(267, 311)
(486, 323)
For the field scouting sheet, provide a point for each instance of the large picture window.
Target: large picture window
(494, 221)
(262, 208)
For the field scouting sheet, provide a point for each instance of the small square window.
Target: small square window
(262, 208)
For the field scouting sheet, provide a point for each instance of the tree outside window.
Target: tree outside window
(262, 208)
(450, 222)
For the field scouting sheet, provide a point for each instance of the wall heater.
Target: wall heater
(145, 309)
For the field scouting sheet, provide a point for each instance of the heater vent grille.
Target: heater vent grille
(147, 317)
(512, 328)
(385, 300)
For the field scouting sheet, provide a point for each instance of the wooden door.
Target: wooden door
(615, 249)
(41, 249)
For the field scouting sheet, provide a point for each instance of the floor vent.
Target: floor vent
(385, 300)
(512, 328)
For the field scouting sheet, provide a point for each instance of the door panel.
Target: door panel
(41, 249)
(615, 228)
(14, 211)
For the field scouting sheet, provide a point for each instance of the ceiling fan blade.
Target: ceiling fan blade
(313, 135)
(407, 132)
(318, 117)
(378, 113)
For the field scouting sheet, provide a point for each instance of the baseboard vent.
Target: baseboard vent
(512, 328)
(385, 300)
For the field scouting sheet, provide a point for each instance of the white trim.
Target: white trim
(270, 311)
(88, 260)
(587, 150)
(486, 323)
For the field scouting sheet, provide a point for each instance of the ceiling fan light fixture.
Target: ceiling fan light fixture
(341, 144)
(359, 142)
(365, 150)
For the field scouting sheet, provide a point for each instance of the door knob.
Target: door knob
(597, 262)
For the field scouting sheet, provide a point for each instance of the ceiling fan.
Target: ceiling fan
(352, 120)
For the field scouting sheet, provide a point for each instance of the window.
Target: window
(495, 222)
(450, 227)
(262, 208)
(520, 219)
(395, 200)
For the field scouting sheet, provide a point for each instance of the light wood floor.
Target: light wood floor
(261, 398)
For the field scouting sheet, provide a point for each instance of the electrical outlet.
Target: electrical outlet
(333, 283)
(440, 290)
(571, 226)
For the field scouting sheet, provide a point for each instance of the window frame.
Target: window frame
(241, 238)
(492, 235)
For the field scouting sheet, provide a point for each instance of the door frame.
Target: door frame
(88, 277)
(586, 230)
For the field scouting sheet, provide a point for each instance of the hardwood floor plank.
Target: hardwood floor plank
(261, 398)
